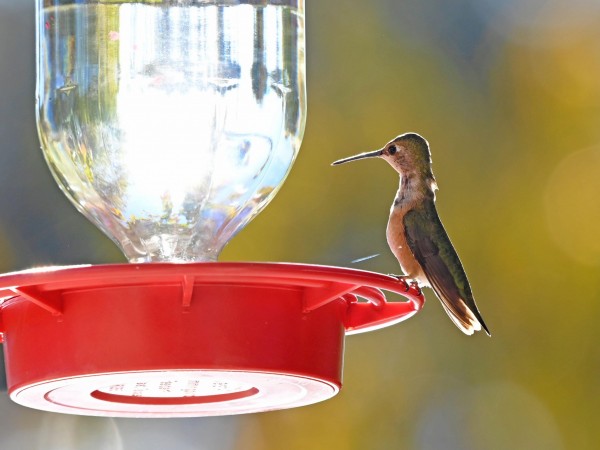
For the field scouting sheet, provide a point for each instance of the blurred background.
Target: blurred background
(508, 95)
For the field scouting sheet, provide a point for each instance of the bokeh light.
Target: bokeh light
(573, 206)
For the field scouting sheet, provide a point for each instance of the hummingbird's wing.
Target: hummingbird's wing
(431, 247)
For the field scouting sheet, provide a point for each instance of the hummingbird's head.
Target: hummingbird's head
(408, 153)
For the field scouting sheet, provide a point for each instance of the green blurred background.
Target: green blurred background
(508, 95)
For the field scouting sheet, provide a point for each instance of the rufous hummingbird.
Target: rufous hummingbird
(416, 235)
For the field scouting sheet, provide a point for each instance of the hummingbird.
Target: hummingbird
(416, 235)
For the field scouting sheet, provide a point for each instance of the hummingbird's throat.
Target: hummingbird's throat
(413, 188)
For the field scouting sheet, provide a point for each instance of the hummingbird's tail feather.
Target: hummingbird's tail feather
(464, 318)
(463, 312)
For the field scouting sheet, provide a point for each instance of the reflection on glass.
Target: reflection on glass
(170, 124)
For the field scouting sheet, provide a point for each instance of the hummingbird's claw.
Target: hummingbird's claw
(415, 286)
(401, 278)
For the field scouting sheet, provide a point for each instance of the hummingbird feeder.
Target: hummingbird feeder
(170, 125)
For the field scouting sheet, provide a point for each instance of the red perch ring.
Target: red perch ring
(187, 340)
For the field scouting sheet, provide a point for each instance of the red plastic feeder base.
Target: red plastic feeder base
(177, 340)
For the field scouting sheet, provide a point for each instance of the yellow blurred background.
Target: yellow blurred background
(508, 95)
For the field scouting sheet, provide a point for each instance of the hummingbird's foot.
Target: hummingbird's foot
(416, 288)
(401, 278)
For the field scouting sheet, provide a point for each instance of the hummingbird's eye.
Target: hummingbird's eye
(392, 149)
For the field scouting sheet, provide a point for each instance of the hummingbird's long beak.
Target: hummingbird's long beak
(374, 154)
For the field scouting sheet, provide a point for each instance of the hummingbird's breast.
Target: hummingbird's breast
(396, 238)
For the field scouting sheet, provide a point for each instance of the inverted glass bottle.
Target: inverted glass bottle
(170, 124)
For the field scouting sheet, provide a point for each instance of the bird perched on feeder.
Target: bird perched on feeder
(416, 235)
